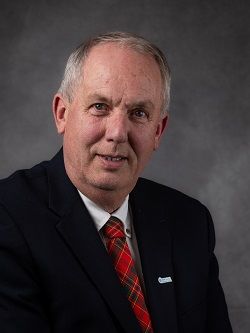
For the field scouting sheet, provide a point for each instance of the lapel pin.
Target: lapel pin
(166, 279)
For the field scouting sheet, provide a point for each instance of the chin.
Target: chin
(106, 184)
(106, 187)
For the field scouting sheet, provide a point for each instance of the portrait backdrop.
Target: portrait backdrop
(205, 151)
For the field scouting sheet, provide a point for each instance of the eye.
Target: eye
(100, 106)
(99, 109)
(139, 114)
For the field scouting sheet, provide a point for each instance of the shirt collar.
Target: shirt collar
(100, 216)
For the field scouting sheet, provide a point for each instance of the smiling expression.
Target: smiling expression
(114, 122)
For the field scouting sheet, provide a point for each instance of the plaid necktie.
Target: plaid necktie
(125, 267)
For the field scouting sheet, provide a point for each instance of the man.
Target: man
(85, 245)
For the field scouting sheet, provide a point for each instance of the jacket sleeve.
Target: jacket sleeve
(22, 307)
(218, 319)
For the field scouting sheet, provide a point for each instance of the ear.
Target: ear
(160, 129)
(60, 112)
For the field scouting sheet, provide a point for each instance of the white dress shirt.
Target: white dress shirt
(123, 213)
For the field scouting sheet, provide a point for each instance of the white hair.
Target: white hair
(73, 71)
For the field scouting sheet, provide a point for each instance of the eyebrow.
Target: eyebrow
(98, 97)
(141, 104)
(137, 104)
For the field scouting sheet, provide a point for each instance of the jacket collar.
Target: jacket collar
(150, 218)
(77, 229)
(62, 193)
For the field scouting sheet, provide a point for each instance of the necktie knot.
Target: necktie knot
(113, 228)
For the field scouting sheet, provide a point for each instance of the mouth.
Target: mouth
(116, 158)
(112, 161)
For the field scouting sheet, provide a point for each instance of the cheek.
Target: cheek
(84, 131)
(91, 134)
(144, 145)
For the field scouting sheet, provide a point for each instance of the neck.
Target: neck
(107, 200)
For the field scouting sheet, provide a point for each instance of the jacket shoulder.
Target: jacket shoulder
(159, 192)
(23, 183)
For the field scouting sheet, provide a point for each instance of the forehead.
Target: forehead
(123, 52)
(111, 60)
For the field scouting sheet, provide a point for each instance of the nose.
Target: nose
(117, 127)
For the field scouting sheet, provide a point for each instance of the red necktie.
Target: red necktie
(125, 267)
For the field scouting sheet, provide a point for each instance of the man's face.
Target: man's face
(114, 122)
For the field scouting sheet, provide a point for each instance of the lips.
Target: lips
(113, 159)
(116, 158)
(112, 162)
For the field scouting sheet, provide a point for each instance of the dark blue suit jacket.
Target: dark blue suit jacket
(56, 276)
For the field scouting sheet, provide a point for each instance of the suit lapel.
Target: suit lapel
(154, 242)
(78, 231)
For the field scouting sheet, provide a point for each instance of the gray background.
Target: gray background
(205, 151)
